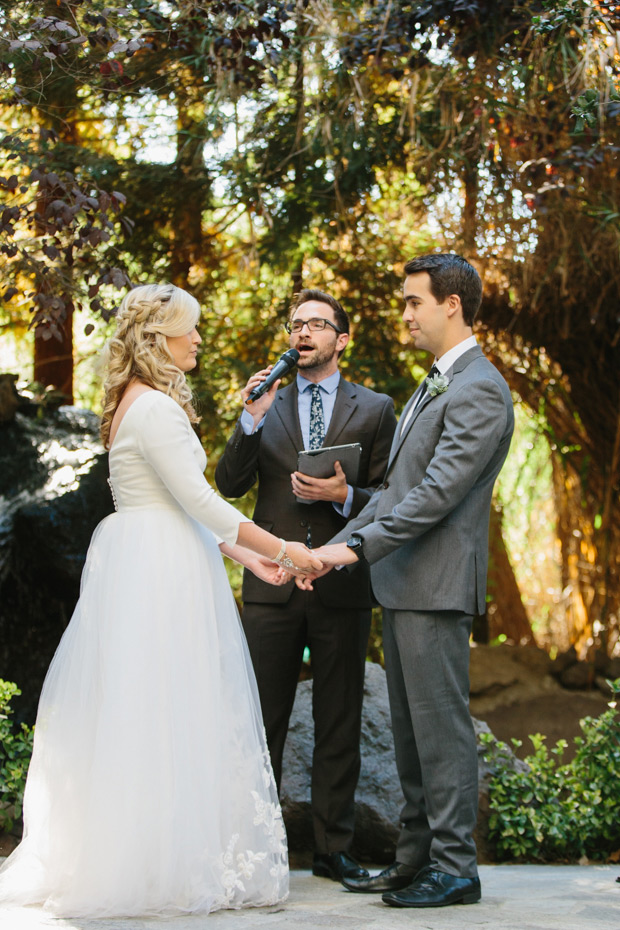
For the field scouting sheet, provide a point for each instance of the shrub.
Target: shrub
(15, 753)
(554, 811)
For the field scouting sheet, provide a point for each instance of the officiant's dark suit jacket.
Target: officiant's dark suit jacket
(270, 455)
(334, 619)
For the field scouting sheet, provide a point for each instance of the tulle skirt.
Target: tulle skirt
(150, 789)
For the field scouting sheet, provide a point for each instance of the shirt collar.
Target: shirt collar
(448, 359)
(329, 384)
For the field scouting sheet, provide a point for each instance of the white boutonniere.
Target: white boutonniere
(437, 384)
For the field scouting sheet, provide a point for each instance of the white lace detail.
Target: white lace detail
(237, 867)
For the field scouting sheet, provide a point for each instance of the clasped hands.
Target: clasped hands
(300, 563)
(310, 564)
(330, 556)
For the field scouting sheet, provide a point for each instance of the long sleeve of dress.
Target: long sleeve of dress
(168, 444)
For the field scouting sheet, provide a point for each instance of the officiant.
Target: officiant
(318, 409)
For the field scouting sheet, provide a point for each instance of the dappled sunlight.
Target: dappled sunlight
(525, 491)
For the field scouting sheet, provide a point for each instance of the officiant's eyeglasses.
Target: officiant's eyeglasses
(315, 325)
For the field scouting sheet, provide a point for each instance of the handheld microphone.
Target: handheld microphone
(281, 367)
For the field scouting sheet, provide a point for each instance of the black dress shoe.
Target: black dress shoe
(338, 866)
(432, 888)
(398, 875)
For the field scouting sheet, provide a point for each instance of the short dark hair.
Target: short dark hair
(451, 274)
(340, 314)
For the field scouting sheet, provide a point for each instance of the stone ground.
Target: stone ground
(515, 897)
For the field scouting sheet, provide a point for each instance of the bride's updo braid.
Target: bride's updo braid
(138, 348)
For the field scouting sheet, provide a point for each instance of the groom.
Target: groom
(424, 533)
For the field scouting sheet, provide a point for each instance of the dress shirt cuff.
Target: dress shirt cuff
(247, 423)
(345, 509)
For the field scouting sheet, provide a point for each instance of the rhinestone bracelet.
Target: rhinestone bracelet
(283, 560)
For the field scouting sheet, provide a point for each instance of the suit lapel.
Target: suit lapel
(344, 408)
(286, 409)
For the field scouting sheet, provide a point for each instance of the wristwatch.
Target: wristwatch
(356, 543)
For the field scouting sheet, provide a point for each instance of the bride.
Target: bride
(150, 789)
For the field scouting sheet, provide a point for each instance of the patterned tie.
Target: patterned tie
(317, 420)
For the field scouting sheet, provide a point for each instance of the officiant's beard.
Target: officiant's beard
(319, 358)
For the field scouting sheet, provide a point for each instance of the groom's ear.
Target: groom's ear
(454, 305)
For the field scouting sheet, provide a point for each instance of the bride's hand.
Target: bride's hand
(268, 571)
(304, 561)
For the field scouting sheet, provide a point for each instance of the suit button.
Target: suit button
(385, 485)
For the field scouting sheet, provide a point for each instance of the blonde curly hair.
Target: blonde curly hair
(138, 349)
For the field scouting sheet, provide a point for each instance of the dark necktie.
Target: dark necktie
(434, 371)
(317, 420)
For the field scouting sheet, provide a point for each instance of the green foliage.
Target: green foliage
(591, 108)
(15, 753)
(245, 149)
(569, 13)
(551, 811)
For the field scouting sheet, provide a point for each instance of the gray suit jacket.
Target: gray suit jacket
(270, 455)
(425, 530)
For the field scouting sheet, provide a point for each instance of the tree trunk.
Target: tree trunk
(53, 359)
(53, 351)
(299, 98)
(187, 241)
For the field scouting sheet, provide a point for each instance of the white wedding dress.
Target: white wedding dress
(150, 789)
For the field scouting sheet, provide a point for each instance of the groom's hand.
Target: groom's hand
(336, 554)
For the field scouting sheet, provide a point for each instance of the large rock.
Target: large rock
(519, 691)
(501, 675)
(378, 797)
(53, 492)
(578, 675)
